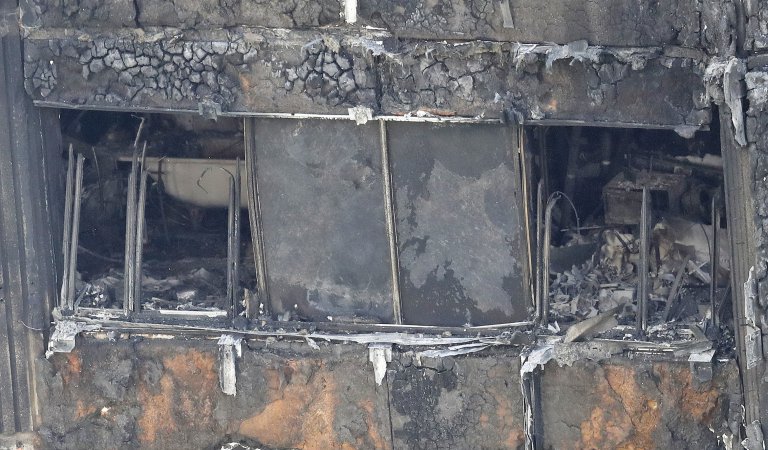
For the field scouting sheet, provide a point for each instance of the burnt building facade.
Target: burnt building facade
(369, 224)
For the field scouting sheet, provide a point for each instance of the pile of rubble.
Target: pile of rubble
(163, 288)
(608, 279)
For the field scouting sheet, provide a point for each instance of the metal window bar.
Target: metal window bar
(233, 242)
(545, 250)
(714, 261)
(74, 195)
(642, 297)
(140, 226)
(66, 239)
(539, 249)
(134, 231)
(130, 236)
(389, 212)
(257, 230)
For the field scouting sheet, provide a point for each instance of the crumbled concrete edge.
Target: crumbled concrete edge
(379, 355)
(724, 79)
(64, 333)
(361, 114)
(230, 348)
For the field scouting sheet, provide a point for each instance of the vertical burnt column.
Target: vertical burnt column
(31, 181)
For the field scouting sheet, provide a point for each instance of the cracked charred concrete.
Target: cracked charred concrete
(249, 70)
(174, 68)
(621, 23)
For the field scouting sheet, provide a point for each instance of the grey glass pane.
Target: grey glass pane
(322, 208)
(460, 240)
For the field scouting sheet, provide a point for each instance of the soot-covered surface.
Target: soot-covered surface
(458, 224)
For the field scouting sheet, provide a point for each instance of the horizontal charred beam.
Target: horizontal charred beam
(241, 71)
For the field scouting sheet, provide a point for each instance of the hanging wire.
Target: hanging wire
(557, 195)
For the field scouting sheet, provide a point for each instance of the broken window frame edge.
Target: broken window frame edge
(174, 318)
(384, 117)
(406, 117)
(676, 351)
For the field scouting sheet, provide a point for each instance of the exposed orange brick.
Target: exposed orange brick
(186, 389)
(156, 411)
(677, 383)
(625, 419)
(299, 414)
(71, 370)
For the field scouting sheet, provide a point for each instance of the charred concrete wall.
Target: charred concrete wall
(638, 63)
(153, 394)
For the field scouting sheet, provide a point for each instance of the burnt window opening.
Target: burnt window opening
(394, 223)
(593, 180)
(184, 244)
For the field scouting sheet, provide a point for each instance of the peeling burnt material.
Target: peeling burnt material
(261, 71)
(652, 23)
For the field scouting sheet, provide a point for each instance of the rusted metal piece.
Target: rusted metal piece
(78, 197)
(642, 296)
(389, 212)
(66, 240)
(257, 229)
